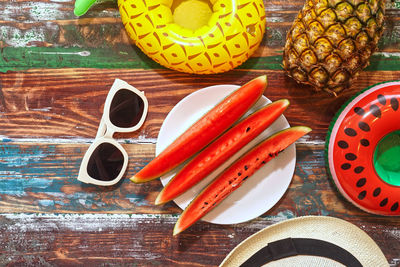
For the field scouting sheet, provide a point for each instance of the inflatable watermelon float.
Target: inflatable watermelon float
(363, 149)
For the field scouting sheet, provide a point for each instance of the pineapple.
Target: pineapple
(331, 41)
(195, 36)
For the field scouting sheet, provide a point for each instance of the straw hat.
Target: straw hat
(318, 234)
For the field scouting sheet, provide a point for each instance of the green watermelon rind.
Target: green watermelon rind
(257, 87)
(243, 160)
(330, 128)
(236, 133)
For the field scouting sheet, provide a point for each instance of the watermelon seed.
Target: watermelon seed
(361, 182)
(248, 129)
(382, 99)
(263, 162)
(364, 142)
(246, 168)
(350, 132)
(358, 169)
(350, 156)
(362, 195)
(239, 173)
(205, 203)
(394, 103)
(244, 179)
(343, 144)
(359, 111)
(257, 159)
(375, 111)
(345, 166)
(364, 126)
(376, 192)
(383, 202)
(395, 206)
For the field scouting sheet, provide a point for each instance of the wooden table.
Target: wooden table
(56, 70)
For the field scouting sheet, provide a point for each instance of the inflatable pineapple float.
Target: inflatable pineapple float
(195, 36)
(331, 41)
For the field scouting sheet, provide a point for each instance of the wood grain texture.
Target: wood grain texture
(57, 70)
(68, 103)
(93, 240)
(47, 34)
(41, 178)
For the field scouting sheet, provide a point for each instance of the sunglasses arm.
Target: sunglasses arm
(101, 131)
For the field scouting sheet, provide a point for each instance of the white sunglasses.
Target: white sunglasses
(106, 160)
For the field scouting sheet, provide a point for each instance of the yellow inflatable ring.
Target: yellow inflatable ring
(232, 34)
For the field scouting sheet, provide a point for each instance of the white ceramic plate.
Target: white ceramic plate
(261, 191)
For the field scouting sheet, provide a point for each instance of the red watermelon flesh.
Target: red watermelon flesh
(221, 150)
(236, 174)
(205, 130)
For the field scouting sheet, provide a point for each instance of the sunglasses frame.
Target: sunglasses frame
(106, 131)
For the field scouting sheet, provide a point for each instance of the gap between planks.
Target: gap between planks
(140, 141)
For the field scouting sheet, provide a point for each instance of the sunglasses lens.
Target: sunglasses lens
(126, 109)
(105, 163)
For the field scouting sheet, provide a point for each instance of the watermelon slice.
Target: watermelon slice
(221, 150)
(236, 174)
(205, 130)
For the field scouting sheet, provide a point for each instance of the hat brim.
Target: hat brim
(330, 229)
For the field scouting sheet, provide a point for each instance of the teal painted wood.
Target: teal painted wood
(23, 58)
(130, 57)
(42, 178)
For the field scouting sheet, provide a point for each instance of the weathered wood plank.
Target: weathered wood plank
(115, 240)
(67, 103)
(41, 178)
(16, 59)
(42, 105)
(47, 34)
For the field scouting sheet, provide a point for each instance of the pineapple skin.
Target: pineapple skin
(232, 35)
(331, 41)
